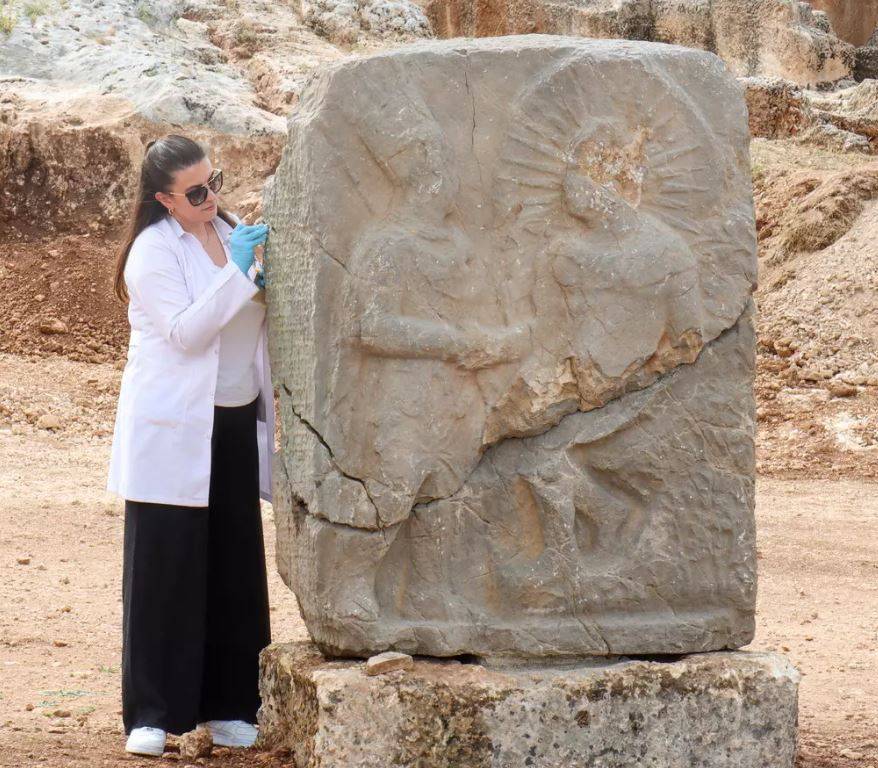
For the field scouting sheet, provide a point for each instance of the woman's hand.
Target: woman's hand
(243, 242)
(260, 274)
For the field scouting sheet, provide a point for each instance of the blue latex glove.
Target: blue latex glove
(243, 241)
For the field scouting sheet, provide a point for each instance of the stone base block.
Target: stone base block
(722, 709)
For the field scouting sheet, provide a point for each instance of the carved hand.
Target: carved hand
(486, 347)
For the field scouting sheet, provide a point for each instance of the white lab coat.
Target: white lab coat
(164, 418)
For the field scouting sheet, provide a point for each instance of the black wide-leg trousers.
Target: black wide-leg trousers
(195, 594)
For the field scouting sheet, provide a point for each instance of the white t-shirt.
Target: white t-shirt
(237, 382)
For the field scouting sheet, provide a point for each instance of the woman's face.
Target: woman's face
(185, 180)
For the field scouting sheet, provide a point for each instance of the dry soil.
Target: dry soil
(60, 587)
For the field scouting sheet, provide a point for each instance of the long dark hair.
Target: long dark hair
(163, 158)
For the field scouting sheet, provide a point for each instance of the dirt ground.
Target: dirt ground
(60, 587)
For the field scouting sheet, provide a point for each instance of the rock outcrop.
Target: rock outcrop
(516, 383)
(346, 21)
(774, 38)
(852, 20)
(86, 84)
(843, 120)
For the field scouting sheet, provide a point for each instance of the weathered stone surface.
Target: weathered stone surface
(852, 20)
(196, 743)
(390, 661)
(84, 87)
(867, 63)
(777, 108)
(723, 710)
(775, 38)
(345, 21)
(779, 38)
(509, 287)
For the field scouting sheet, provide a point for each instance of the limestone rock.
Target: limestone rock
(49, 421)
(774, 38)
(345, 21)
(841, 389)
(852, 20)
(53, 325)
(196, 743)
(778, 38)
(516, 385)
(113, 49)
(389, 661)
(777, 108)
(85, 86)
(723, 710)
(866, 66)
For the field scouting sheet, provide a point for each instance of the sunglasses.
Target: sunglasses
(197, 195)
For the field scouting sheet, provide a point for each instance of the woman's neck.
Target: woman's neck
(197, 228)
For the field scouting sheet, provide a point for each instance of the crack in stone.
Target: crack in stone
(423, 505)
(564, 418)
(473, 103)
(310, 427)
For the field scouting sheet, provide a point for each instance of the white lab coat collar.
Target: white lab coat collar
(218, 222)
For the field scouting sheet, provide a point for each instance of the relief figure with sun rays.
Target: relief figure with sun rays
(526, 401)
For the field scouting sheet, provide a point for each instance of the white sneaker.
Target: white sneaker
(146, 741)
(232, 733)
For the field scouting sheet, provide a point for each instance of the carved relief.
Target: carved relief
(510, 290)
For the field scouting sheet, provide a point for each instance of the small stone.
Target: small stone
(196, 744)
(815, 374)
(840, 389)
(59, 643)
(49, 421)
(850, 754)
(53, 325)
(61, 713)
(39, 297)
(22, 560)
(29, 707)
(388, 662)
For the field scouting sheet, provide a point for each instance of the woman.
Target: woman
(191, 457)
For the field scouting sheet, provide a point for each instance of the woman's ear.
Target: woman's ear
(165, 200)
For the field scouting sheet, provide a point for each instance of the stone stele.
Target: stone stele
(511, 331)
(722, 710)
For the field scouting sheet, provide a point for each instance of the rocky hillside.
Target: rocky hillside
(84, 84)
